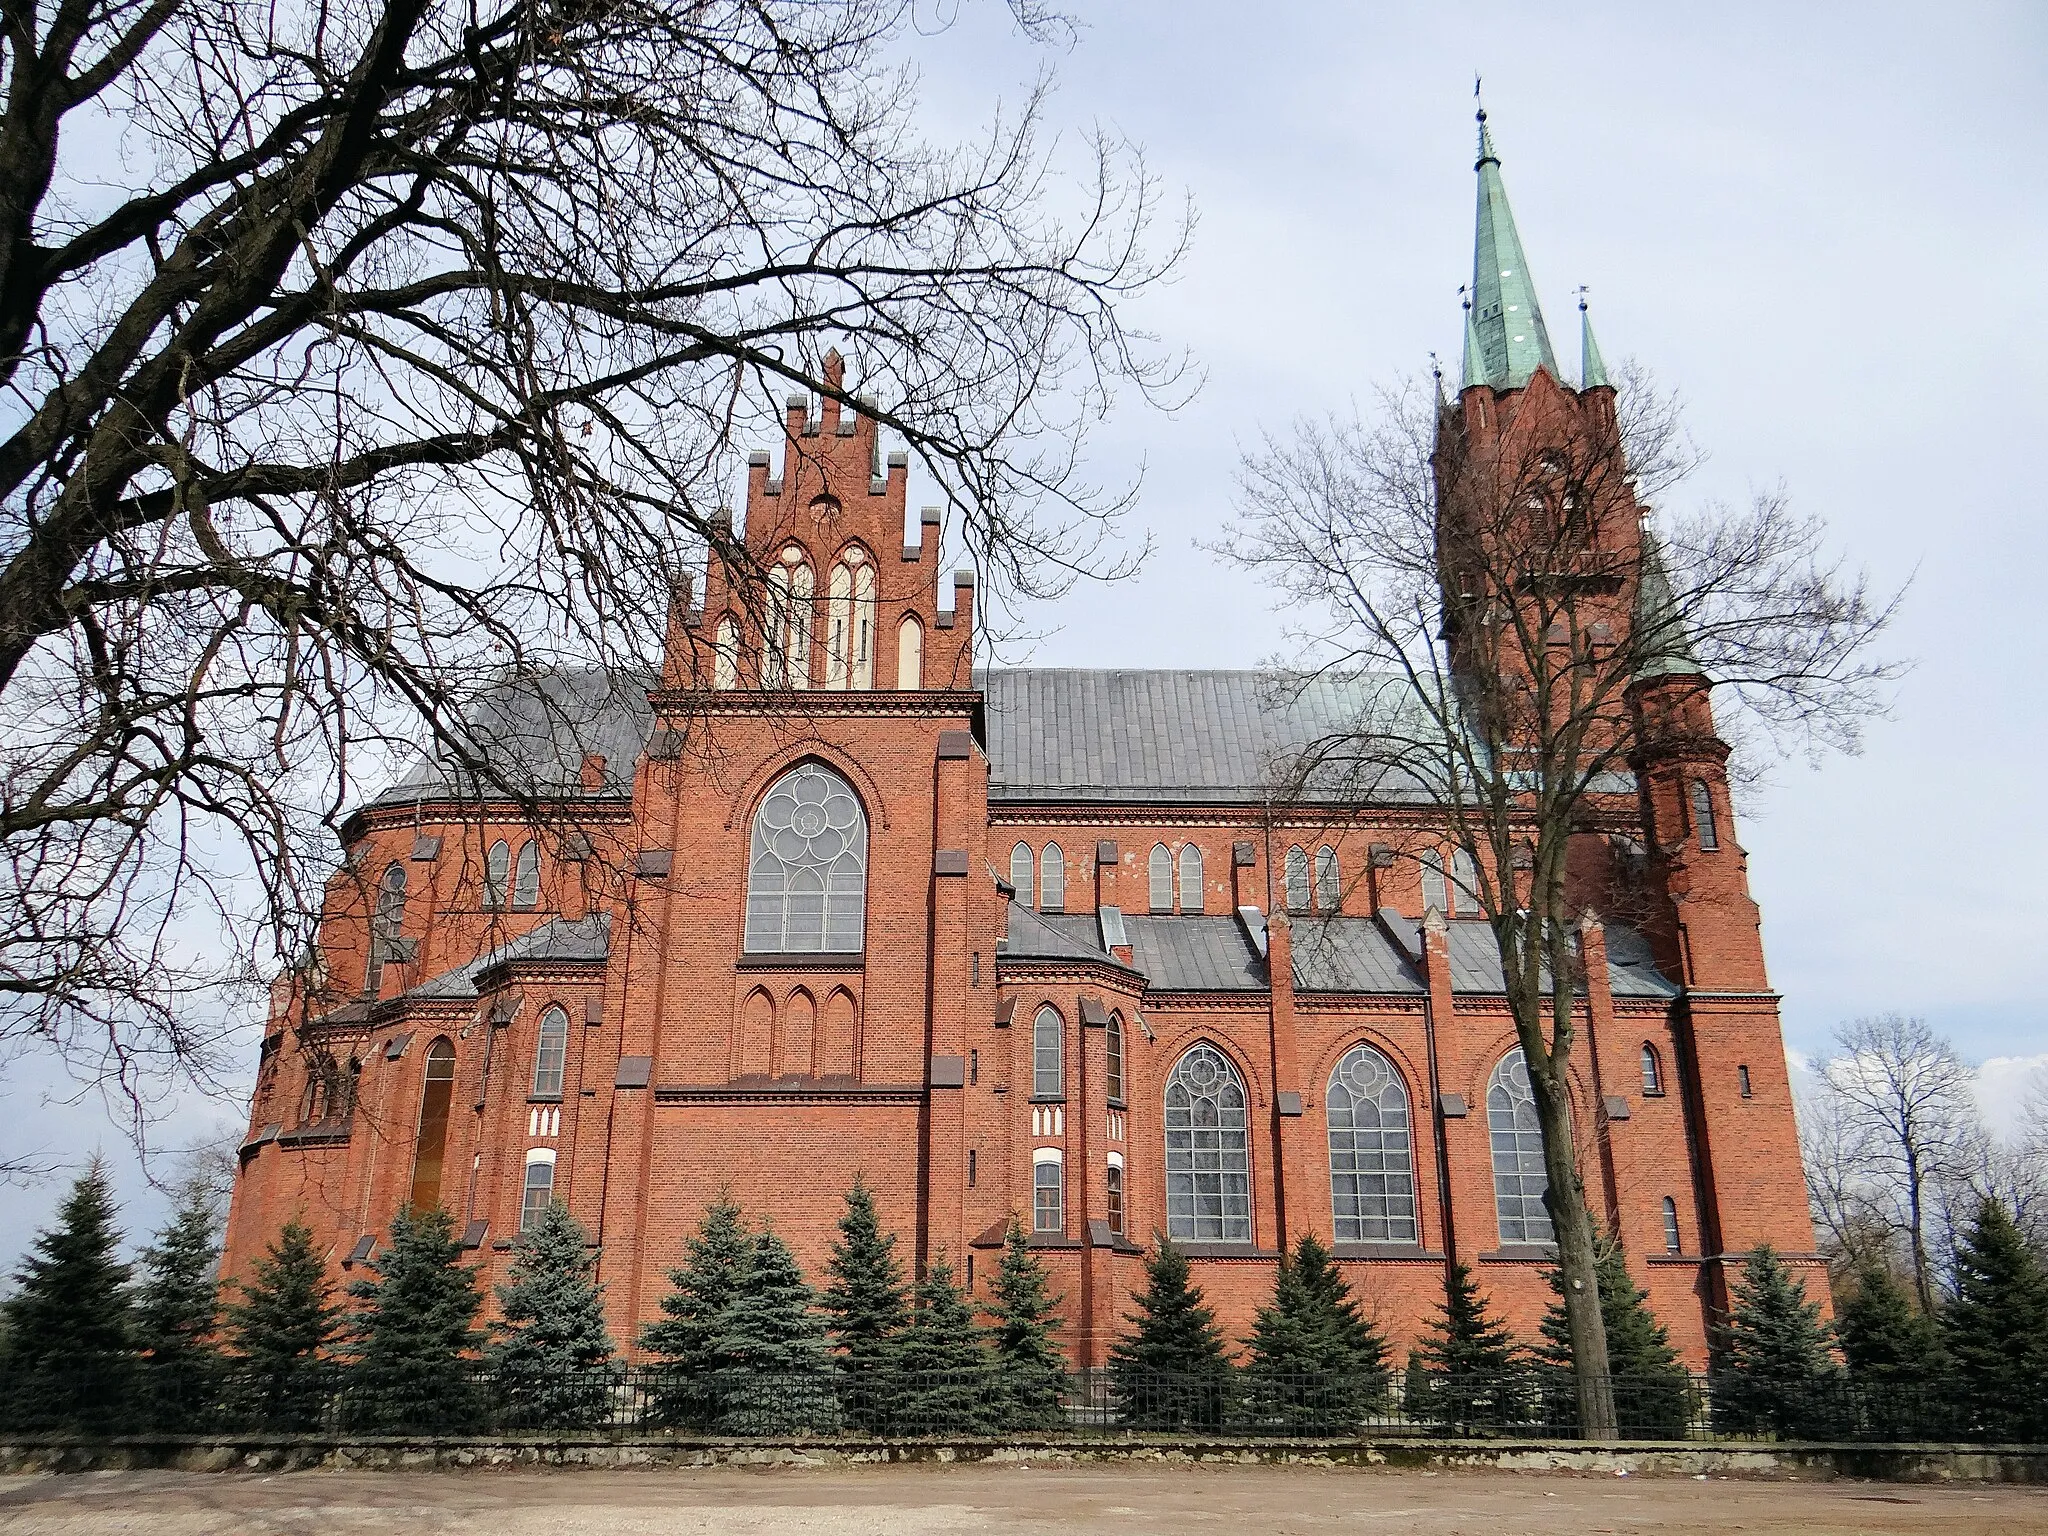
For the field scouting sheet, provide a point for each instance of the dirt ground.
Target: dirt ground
(941, 1501)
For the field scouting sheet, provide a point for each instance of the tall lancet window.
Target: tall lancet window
(786, 655)
(909, 653)
(850, 623)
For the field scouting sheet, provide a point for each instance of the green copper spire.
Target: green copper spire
(1513, 342)
(1665, 647)
(1474, 370)
(1592, 369)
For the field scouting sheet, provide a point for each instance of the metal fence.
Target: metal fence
(123, 1396)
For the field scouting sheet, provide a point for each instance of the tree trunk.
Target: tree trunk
(1572, 1223)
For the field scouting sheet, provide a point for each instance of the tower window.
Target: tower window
(551, 1054)
(1742, 1081)
(973, 1068)
(1113, 1191)
(973, 1159)
(1653, 1071)
(1047, 1076)
(1671, 1242)
(1703, 816)
(1113, 1046)
(539, 1192)
(431, 1143)
(1048, 1192)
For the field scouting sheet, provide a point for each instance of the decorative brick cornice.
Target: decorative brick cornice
(814, 702)
(790, 1093)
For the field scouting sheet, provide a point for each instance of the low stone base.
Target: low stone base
(262, 1453)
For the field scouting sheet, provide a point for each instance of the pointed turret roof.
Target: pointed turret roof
(1506, 320)
(1660, 628)
(1474, 369)
(1592, 367)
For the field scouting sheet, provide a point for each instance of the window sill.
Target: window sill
(782, 960)
(1522, 1253)
(1244, 1250)
(1119, 1104)
(1056, 1240)
(543, 1098)
(1383, 1251)
(1048, 1098)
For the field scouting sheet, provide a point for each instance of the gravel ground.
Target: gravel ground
(940, 1501)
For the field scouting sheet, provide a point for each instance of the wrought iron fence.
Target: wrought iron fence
(125, 1395)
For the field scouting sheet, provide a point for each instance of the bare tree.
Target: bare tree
(1855, 1233)
(364, 356)
(1909, 1109)
(1477, 593)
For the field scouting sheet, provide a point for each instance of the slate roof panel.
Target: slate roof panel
(1194, 954)
(1349, 954)
(588, 939)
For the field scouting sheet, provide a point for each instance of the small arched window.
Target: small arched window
(1703, 816)
(850, 622)
(910, 654)
(1653, 1071)
(1020, 873)
(1048, 1075)
(1328, 890)
(1048, 1191)
(1464, 883)
(526, 877)
(1372, 1179)
(1190, 878)
(1672, 1243)
(1113, 1192)
(1159, 869)
(725, 654)
(1520, 1180)
(1297, 880)
(1436, 891)
(1052, 879)
(807, 874)
(431, 1145)
(786, 655)
(387, 922)
(497, 873)
(539, 1192)
(551, 1054)
(1113, 1046)
(1208, 1151)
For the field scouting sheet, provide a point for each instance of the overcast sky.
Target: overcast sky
(1823, 224)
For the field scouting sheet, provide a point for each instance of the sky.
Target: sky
(1824, 225)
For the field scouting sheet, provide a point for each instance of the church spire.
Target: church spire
(1592, 367)
(1505, 321)
(1665, 647)
(1473, 370)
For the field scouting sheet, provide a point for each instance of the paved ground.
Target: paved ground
(941, 1501)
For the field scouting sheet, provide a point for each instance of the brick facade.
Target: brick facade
(692, 1065)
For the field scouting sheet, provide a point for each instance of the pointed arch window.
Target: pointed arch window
(807, 872)
(551, 1054)
(1052, 879)
(1464, 883)
(1113, 1047)
(1297, 879)
(1328, 890)
(1020, 873)
(1208, 1150)
(1048, 1056)
(526, 877)
(850, 622)
(1048, 1191)
(909, 654)
(1190, 878)
(1113, 1192)
(387, 922)
(430, 1146)
(725, 654)
(1372, 1177)
(1159, 879)
(1672, 1242)
(1436, 890)
(1520, 1180)
(1653, 1071)
(1703, 816)
(786, 654)
(539, 1191)
(497, 873)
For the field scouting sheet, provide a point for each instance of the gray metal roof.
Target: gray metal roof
(1349, 954)
(1062, 733)
(588, 939)
(1048, 936)
(1195, 954)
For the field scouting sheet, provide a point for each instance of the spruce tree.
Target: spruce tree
(866, 1305)
(1415, 1388)
(414, 1331)
(769, 1362)
(945, 1379)
(699, 1291)
(1025, 1315)
(70, 1326)
(177, 1305)
(280, 1330)
(1170, 1370)
(1315, 1364)
(550, 1354)
(1775, 1371)
(1894, 1352)
(1996, 1331)
(1652, 1389)
(1478, 1377)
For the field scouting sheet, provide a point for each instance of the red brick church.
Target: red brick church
(831, 899)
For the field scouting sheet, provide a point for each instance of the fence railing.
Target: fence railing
(126, 1395)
